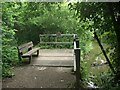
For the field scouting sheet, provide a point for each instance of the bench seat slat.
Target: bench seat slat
(25, 45)
(29, 53)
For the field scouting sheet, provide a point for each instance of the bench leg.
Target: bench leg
(30, 58)
(37, 52)
(20, 59)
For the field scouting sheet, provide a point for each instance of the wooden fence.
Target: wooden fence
(55, 38)
(77, 62)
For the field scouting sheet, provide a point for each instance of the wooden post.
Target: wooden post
(30, 58)
(77, 43)
(74, 43)
(77, 57)
(37, 52)
(19, 56)
(56, 41)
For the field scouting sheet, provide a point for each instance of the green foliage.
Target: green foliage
(105, 81)
(105, 21)
(9, 45)
(25, 21)
(32, 19)
(102, 20)
(9, 51)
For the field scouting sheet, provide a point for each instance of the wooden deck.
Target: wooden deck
(54, 57)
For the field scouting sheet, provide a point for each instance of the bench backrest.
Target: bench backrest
(25, 47)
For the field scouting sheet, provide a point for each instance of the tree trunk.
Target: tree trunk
(104, 53)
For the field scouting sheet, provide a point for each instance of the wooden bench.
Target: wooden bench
(27, 51)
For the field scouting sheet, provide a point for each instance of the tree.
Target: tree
(106, 18)
(23, 21)
(9, 49)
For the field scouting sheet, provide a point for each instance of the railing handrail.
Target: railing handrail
(56, 36)
(56, 42)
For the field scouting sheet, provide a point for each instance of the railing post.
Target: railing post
(77, 57)
(77, 43)
(74, 44)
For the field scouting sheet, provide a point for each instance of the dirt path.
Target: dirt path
(36, 76)
(40, 77)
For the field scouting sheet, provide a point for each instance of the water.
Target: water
(92, 85)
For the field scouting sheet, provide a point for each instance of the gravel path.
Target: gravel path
(40, 77)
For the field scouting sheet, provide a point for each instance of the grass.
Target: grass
(93, 55)
(91, 58)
